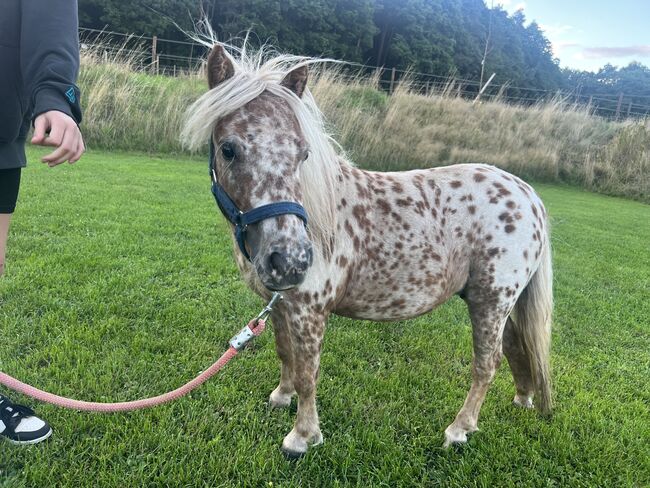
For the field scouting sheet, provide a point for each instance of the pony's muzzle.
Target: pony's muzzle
(287, 268)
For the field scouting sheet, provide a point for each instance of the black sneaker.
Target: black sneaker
(19, 424)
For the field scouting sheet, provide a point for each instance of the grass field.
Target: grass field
(120, 284)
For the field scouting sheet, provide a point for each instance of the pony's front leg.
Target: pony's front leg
(281, 396)
(306, 339)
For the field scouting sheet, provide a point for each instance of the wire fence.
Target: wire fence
(173, 58)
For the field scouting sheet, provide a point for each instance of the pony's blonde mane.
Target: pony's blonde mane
(263, 70)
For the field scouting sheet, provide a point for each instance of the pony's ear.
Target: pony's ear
(220, 66)
(296, 80)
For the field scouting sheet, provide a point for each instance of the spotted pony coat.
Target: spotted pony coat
(402, 243)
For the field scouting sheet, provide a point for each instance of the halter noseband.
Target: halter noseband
(241, 220)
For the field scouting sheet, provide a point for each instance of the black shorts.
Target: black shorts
(9, 185)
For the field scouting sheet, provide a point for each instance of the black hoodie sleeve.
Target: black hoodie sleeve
(49, 55)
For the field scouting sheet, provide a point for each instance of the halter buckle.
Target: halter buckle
(243, 227)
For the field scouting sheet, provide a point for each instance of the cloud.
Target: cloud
(615, 52)
(567, 45)
(562, 46)
(553, 31)
(555, 34)
(508, 5)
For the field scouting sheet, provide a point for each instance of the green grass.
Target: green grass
(120, 284)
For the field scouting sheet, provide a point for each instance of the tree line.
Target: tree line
(462, 38)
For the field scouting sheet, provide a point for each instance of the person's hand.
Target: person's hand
(57, 129)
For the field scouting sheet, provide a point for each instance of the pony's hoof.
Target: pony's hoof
(456, 436)
(295, 446)
(523, 401)
(292, 455)
(280, 400)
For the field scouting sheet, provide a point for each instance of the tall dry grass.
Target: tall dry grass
(125, 109)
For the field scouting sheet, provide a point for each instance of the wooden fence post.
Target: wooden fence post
(483, 89)
(154, 54)
(629, 107)
(618, 106)
(392, 80)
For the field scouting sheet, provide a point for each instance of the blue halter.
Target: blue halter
(241, 220)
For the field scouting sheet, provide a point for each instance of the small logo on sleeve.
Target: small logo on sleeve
(71, 95)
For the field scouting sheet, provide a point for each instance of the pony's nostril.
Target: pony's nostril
(277, 263)
(287, 270)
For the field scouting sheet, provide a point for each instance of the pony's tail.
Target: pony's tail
(533, 312)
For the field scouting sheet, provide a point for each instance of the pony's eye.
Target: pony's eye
(228, 151)
(306, 155)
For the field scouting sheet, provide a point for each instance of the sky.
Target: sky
(587, 34)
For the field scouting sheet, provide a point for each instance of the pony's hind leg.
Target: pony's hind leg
(281, 396)
(519, 362)
(487, 332)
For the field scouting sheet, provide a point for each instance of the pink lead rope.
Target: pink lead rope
(254, 328)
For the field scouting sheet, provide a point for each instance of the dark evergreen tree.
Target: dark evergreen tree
(141, 17)
(342, 29)
(441, 37)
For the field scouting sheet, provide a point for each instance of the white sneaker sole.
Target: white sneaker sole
(33, 441)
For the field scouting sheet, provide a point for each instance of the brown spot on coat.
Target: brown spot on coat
(404, 202)
(384, 206)
(348, 228)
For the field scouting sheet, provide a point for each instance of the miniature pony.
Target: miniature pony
(377, 246)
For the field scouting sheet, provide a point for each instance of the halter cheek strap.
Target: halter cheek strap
(241, 220)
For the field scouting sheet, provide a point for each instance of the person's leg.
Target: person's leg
(18, 424)
(9, 186)
(4, 232)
